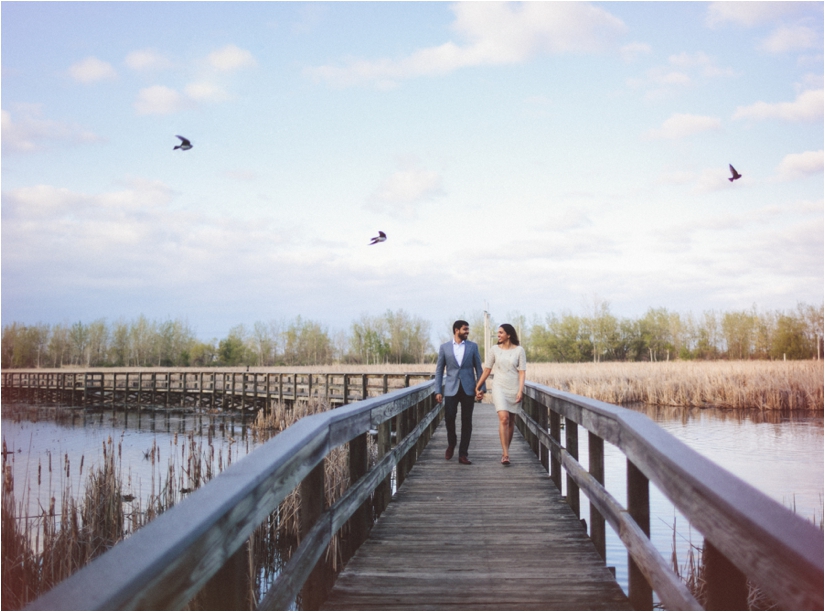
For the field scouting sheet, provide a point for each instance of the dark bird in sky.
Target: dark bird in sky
(381, 237)
(184, 145)
(734, 174)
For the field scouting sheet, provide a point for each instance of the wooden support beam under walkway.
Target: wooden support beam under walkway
(482, 537)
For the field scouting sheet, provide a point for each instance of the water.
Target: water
(48, 457)
(779, 454)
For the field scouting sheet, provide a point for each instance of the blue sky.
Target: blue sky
(533, 156)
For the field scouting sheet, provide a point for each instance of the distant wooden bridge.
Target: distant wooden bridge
(458, 537)
(208, 389)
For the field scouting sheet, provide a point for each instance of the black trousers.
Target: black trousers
(451, 412)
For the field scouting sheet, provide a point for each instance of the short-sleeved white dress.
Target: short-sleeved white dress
(505, 366)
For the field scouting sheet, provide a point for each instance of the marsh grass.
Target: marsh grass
(763, 385)
(40, 551)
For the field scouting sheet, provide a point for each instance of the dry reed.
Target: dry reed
(38, 552)
(764, 385)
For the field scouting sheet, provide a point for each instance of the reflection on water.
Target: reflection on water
(48, 457)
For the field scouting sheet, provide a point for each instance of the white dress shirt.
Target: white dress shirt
(458, 351)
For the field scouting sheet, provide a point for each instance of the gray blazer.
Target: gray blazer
(467, 372)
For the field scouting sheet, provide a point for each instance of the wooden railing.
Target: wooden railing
(748, 536)
(207, 388)
(167, 562)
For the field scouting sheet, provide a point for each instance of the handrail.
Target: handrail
(164, 564)
(780, 551)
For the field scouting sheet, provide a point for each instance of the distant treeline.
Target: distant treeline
(398, 337)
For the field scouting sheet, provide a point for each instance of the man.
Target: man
(462, 362)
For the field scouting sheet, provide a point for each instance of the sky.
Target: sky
(534, 158)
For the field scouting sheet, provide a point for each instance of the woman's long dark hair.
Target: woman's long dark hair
(510, 331)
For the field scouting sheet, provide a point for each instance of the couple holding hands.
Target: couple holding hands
(464, 383)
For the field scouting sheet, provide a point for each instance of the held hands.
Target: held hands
(479, 394)
(438, 398)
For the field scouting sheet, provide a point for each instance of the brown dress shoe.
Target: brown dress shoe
(464, 461)
(449, 454)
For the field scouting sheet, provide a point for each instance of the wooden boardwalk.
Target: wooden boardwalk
(483, 537)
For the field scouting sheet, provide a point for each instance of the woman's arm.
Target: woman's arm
(481, 380)
(522, 374)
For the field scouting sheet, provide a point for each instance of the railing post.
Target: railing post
(543, 423)
(383, 492)
(312, 505)
(726, 588)
(364, 391)
(571, 434)
(638, 505)
(595, 450)
(229, 587)
(400, 434)
(346, 389)
(555, 434)
(358, 465)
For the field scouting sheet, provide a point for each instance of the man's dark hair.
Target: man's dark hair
(459, 324)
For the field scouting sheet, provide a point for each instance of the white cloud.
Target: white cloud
(30, 132)
(404, 190)
(682, 125)
(206, 92)
(791, 38)
(91, 69)
(230, 58)
(147, 59)
(493, 34)
(749, 14)
(682, 70)
(800, 165)
(807, 107)
(159, 100)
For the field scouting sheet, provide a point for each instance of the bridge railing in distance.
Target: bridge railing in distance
(747, 534)
(167, 562)
(207, 388)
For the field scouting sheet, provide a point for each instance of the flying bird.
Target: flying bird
(184, 145)
(381, 237)
(734, 174)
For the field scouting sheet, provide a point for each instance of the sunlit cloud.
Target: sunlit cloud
(401, 193)
(807, 107)
(28, 132)
(147, 59)
(682, 125)
(231, 58)
(800, 165)
(91, 69)
(750, 14)
(206, 92)
(791, 38)
(490, 34)
(160, 100)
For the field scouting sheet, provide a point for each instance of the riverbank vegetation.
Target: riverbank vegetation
(764, 385)
(401, 338)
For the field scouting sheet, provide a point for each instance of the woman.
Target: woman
(508, 362)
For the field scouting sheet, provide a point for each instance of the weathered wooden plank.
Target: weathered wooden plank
(483, 536)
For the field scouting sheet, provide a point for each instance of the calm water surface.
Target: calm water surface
(781, 455)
